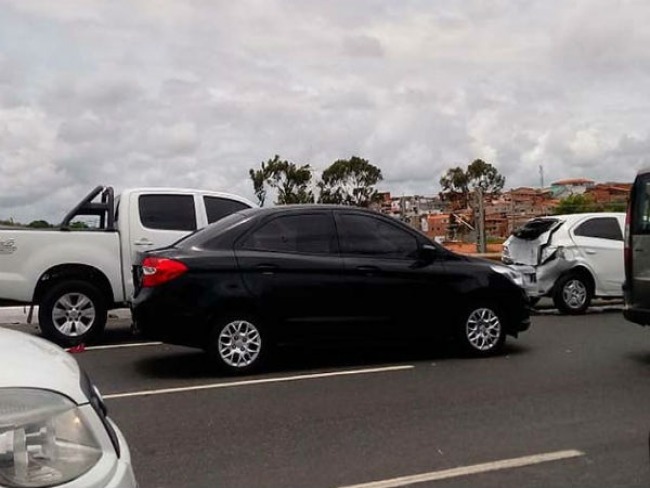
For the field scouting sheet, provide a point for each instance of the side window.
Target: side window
(309, 233)
(368, 236)
(167, 212)
(218, 208)
(601, 228)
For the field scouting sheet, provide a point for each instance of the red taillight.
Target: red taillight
(156, 271)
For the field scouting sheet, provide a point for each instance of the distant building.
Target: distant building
(574, 186)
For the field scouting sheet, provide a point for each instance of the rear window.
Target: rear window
(532, 229)
(204, 236)
(641, 205)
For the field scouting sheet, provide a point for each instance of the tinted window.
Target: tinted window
(217, 208)
(601, 227)
(313, 234)
(167, 212)
(368, 236)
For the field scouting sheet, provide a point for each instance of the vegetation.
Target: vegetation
(350, 182)
(586, 204)
(458, 183)
(346, 181)
(292, 182)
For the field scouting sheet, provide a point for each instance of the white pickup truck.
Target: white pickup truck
(76, 276)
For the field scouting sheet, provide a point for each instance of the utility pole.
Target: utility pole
(481, 243)
(541, 175)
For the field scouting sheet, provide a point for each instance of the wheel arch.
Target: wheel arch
(73, 271)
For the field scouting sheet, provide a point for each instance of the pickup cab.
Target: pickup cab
(75, 276)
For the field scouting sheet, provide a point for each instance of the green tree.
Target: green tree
(39, 224)
(291, 182)
(457, 183)
(350, 182)
(585, 204)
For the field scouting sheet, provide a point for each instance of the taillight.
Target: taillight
(156, 271)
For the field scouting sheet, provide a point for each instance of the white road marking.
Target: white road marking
(119, 346)
(261, 381)
(473, 469)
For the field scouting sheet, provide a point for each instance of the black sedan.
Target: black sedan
(266, 277)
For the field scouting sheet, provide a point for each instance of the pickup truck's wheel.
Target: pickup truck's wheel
(238, 345)
(72, 312)
(573, 294)
(481, 330)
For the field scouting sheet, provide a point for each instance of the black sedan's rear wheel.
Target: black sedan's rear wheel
(481, 330)
(238, 344)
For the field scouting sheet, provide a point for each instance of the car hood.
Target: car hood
(30, 362)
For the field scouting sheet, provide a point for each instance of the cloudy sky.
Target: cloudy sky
(195, 92)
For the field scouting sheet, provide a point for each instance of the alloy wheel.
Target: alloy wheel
(574, 293)
(240, 344)
(73, 314)
(483, 329)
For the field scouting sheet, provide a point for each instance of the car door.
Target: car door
(638, 262)
(599, 241)
(161, 220)
(389, 283)
(291, 265)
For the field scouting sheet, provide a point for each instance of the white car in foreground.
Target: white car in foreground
(53, 424)
(575, 257)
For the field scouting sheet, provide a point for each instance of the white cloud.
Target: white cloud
(150, 92)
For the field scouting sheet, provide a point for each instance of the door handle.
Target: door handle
(369, 270)
(590, 251)
(266, 269)
(143, 242)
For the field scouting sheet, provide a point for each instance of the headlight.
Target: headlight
(44, 440)
(516, 277)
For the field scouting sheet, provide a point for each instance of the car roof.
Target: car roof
(320, 207)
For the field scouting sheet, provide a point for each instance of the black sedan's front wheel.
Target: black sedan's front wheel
(238, 345)
(481, 330)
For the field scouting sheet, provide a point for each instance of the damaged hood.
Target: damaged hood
(525, 244)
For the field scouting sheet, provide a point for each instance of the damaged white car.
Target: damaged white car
(575, 257)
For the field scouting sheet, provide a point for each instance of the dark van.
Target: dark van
(636, 288)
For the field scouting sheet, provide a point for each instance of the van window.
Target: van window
(601, 228)
(641, 202)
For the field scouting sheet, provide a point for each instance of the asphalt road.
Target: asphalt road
(572, 388)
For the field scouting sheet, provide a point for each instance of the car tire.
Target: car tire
(72, 312)
(481, 329)
(573, 294)
(238, 345)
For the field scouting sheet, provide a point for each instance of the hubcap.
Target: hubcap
(240, 344)
(574, 293)
(483, 329)
(73, 314)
